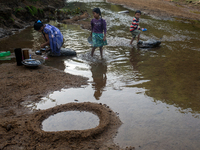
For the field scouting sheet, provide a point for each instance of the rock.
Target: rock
(67, 52)
(8, 127)
(6, 13)
(4, 32)
(18, 25)
(50, 8)
(83, 16)
(125, 11)
(149, 43)
(63, 52)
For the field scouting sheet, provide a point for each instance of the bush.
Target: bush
(32, 10)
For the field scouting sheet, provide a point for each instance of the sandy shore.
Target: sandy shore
(163, 8)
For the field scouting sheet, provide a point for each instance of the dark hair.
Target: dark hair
(37, 25)
(138, 11)
(97, 10)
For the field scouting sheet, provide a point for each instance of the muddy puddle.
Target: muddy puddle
(70, 120)
(155, 92)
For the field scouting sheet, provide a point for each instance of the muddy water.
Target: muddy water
(155, 91)
(71, 120)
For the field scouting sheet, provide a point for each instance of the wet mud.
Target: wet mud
(20, 127)
(24, 132)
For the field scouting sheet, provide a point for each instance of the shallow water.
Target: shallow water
(70, 120)
(155, 91)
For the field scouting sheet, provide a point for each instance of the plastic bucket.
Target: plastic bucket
(26, 54)
(18, 55)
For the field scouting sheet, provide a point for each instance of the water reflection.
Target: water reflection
(56, 62)
(99, 78)
(174, 77)
(134, 58)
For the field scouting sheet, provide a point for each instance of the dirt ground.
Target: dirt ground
(164, 9)
(20, 128)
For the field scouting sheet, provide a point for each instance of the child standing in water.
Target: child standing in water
(98, 27)
(134, 28)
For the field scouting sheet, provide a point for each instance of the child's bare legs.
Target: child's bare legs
(92, 52)
(101, 51)
(138, 38)
(132, 41)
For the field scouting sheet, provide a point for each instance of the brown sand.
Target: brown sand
(20, 128)
(164, 8)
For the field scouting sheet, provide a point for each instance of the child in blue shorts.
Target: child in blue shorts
(98, 27)
(134, 28)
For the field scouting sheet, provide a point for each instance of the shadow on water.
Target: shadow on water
(155, 91)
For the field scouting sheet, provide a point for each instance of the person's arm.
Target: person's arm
(91, 27)
(105, 30)
(47, 42)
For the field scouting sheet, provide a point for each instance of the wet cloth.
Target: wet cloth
(97, 40)
(135, 33)
(55, 38)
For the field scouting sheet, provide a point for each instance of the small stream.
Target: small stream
(154, 91)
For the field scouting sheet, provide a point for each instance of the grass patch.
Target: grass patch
(12, 19)
(196, 12)
(32, 10)
(71, 11)
(18, 10)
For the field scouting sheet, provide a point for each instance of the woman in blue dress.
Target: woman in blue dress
(52, 36)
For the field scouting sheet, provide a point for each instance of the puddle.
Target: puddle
(70, 120)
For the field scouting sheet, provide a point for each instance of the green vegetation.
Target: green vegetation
(40, 11)
(71, 11)
(18, 10)
(196, 12)
(32, 10)
(12, 19)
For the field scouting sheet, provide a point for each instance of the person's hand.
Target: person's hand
(42, 45)
(46, 50)
(104, 38)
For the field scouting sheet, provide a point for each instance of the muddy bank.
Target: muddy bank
(23, 132)
(164, 9)
(79, 20)
(20, 127)
(17, 15)
(19, 83)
